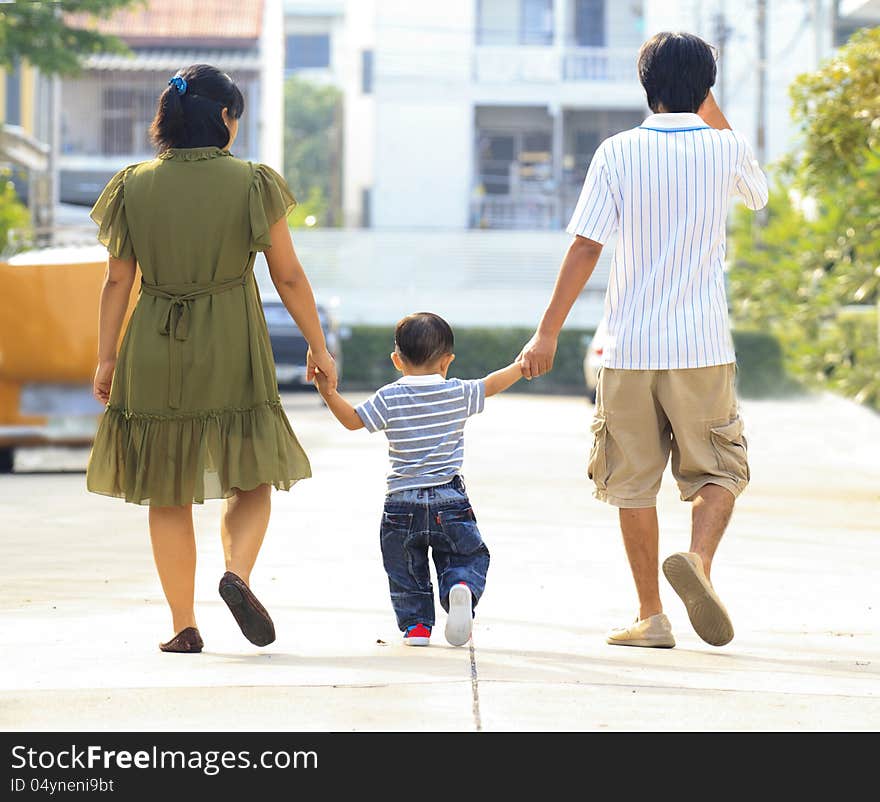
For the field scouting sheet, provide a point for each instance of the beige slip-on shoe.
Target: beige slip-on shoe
(709, 618)
(654, 632)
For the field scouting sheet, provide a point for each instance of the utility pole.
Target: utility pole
(761, 114)
(721, 33)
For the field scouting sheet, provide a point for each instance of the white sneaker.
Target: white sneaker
(460, 621)
(655, 631)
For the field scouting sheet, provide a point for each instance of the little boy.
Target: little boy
(423, 415)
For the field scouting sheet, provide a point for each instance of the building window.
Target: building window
(367, 72)
(536, 22)
(512, 163)
(512, 22)
(127, 113)
(13, 96)
(589, 23)
(307, 52)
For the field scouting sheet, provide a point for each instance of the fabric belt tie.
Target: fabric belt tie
(176, 322)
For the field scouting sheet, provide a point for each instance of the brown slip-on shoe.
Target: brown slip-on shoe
(249, 614)
(709, 618)
(187, 641)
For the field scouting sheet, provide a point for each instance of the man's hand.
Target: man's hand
(711, 113)
(536, 358)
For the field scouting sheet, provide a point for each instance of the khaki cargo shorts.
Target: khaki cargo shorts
(644, 415)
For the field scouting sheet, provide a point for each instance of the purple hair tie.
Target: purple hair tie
(179, 84)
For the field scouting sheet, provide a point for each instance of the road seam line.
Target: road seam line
(475, 689)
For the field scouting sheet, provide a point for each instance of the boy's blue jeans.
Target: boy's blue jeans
(440, 517)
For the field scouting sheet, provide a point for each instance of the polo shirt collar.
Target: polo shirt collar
(431, 378)
(674, 121)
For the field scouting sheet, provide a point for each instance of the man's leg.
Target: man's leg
(710, 464)
(630, 450)
(712, 508)
(641, 535)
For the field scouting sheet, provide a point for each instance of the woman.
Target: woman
(193, 410)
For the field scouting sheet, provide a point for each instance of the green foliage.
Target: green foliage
(312, 152)
(811, 274)
(838, 107)
(41, 33)
(315, 205)
(479, 351)
(14, 217)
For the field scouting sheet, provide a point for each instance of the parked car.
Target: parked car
(593, 360)
(289, 347)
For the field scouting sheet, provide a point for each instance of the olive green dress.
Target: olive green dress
(194, 410)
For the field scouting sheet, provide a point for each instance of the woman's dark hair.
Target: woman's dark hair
(423, 337)
(677, 71)
(192, 119)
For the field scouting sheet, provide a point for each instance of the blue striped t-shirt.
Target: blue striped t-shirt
(423, 418)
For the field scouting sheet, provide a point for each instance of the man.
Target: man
(666, 385)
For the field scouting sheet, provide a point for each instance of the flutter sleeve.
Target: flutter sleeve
(270, 200)
(109, 213)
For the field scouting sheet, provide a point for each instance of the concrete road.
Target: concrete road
(82, 610)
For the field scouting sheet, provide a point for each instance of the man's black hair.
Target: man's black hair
(677, 71)
(422, 337)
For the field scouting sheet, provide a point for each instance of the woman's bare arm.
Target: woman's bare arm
(296, 294)
(115, 292)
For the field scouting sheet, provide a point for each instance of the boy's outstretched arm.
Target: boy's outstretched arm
(500, 380)
(341, 409)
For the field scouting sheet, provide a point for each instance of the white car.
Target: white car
(593, 360)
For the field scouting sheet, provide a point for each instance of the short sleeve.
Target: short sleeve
(109, 213)
(595, 216)
(474, 395)
(373, 413)
(750, 183)
(270, 200)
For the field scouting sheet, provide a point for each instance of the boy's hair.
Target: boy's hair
(422, 337)
(677, 70)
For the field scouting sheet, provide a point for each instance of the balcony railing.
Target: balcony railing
(511, 211)
(526, 64)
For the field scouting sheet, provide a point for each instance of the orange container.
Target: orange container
(48, 346)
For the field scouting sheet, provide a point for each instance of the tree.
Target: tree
(15, 219)
(46, 34)
(811, 275)
(312, 149)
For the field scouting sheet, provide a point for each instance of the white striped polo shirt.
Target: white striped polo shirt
(423, 418)
(666, 186)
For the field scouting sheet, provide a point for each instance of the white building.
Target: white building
(485, 113)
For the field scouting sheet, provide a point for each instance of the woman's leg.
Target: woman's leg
(174, 550)
(243, 527)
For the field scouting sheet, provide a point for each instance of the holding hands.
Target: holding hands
(321, 368)
(536, 357)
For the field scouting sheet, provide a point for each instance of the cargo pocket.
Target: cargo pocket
(731, 449)
(597, 467)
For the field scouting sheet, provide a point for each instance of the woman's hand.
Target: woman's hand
(321, 361)
(103, 381)
(536, 358)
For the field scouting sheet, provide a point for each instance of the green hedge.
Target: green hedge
(479, 351)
